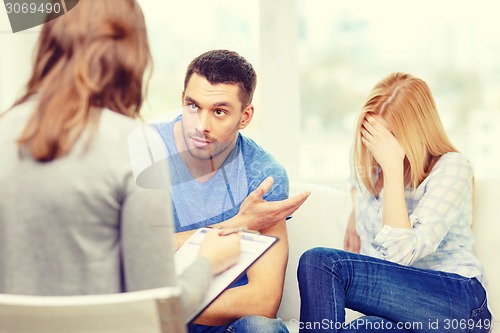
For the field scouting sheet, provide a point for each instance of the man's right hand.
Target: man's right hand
(257, 214)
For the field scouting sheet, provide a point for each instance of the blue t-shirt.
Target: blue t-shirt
(201, 204)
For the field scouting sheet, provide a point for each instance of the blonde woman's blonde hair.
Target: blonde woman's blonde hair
(407, 105)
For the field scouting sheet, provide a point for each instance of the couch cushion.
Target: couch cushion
(319, 222)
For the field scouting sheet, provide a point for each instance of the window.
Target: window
(178, 32)
(345, 47)
(316, 61)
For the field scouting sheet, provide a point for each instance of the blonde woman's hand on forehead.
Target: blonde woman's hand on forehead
(382, 144)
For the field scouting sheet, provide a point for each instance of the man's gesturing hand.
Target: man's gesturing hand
(257, 214)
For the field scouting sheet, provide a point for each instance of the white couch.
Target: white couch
(321, 222)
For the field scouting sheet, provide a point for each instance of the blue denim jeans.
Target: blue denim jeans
(393, 297)
(249, 324)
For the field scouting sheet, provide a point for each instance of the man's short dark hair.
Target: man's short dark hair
(228, 67)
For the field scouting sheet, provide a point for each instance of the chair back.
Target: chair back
(149, 311)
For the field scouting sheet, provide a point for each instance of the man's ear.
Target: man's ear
(247, 116)
(182, 97)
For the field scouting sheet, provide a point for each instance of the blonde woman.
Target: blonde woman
(413, 213)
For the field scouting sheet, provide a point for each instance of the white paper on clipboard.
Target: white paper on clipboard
(252, 247)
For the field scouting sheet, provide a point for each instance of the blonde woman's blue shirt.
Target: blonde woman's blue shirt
(440, 211)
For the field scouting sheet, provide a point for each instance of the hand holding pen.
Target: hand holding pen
(230, 231)
(221, 252)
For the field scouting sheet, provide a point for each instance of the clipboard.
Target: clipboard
(253, 246)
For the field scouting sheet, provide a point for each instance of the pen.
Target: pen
(229, 231)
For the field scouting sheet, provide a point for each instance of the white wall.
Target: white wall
(15, 60)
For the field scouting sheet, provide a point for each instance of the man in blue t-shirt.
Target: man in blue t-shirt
(219, 177)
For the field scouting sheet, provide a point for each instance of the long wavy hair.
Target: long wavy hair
(406, 103)
(93, 57)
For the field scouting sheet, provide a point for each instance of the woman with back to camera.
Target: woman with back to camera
(72, 219)
(413, 203)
